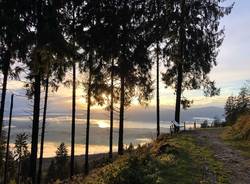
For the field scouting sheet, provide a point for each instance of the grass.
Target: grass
(178, 159)
(242, 145)
(238, 135)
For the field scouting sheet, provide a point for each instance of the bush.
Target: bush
(133, 169)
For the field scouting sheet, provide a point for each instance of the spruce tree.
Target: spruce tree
(21, 153)
(191, 47)
(15, 38)
(48, 39)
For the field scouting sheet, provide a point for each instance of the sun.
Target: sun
(102, 124)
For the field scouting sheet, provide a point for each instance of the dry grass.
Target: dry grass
(240, 130)
(238, 135)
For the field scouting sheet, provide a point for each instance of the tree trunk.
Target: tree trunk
(35, 127)
(5, 79)
(8, 141)
(18, 171)
(72, 158)
(86, 170)
(39, 176)
(157, 91)
(37, 96)
(111, 111)
(121, 123)
(178, 94)
(180, 65)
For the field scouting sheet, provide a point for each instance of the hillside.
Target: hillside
(178, 159)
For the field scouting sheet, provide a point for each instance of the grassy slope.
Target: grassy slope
(238, 135)
(178, 159)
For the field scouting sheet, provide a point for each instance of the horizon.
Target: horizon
(230, 74)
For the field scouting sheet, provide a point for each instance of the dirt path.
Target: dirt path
(237, 165)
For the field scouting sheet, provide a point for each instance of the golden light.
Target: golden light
(102, 124)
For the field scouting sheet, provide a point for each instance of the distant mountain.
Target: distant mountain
(24, 107)
(167, 114)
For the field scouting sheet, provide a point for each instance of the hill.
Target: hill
(178, 159)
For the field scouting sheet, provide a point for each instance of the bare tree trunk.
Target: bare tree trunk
(178, 94)
(72, 158)
(180, 67)
(19, 171)
(35, 127)
(5, 79)
(86, 170)
(37, 97)
(111, 111)
(121, 123)
(39, 176)
(157, 91)
(8, 141)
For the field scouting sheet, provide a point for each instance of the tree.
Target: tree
(133, 58)
(237, 105)
(58, 168)
(54, 68)
(43, 129)
(243, 100)
(231, 109)
(53, 74)
(2, 154)
(69, 19)
(157, 10)
(21, 153)
(191, 46)
(94, 90)
(49, 38)
(14, 39)
(88, 39)
(88, 96)
(111, 110)
(121, 27)
(8, 141)
(61, 161)
(11, 166)
(119, 22)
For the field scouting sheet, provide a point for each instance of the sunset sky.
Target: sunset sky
(231, 73)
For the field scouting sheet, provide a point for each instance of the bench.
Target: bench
(175, 127)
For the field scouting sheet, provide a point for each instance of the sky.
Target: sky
(233, 61)
(230, 74)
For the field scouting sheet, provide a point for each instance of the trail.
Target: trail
(237, 165)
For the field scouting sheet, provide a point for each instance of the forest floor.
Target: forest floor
(234, 157)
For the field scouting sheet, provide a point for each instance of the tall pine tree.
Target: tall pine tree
(191, 47)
